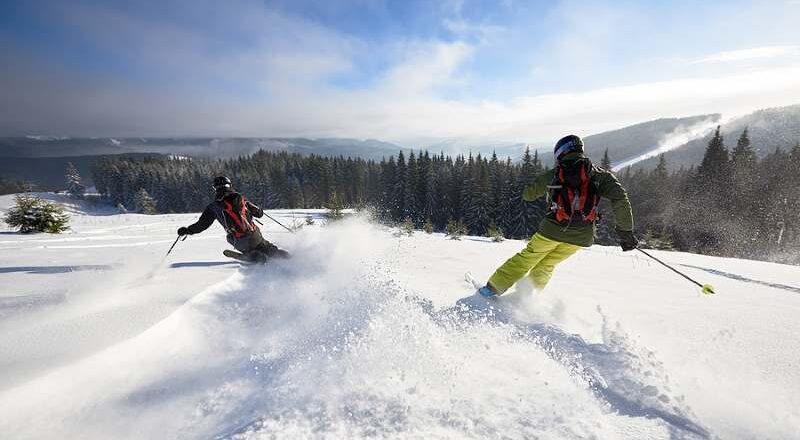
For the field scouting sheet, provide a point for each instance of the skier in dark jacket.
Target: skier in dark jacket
(235, 213)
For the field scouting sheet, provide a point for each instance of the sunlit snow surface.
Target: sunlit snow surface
(364, 333)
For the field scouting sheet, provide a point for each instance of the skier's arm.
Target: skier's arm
(206, 219)
(610, 188)
(255, 210)
(537, 188)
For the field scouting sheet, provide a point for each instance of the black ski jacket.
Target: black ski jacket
(215, 211)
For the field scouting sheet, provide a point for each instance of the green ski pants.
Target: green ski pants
(538, 260)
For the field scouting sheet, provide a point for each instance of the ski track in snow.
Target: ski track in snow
(736, 277)
(630, 380)
(336, 344)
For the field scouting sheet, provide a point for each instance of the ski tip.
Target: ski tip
(708, 289)
(471, 280)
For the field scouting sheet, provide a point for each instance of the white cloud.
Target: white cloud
(283, 89)
(545, 117)
(756, 53)
(424, 66)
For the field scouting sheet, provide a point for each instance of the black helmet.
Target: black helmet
(568, 144)
(222, 182)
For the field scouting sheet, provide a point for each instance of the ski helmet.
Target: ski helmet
(222, 182)
(568, 144)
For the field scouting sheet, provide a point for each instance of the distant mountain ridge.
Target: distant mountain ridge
(43, 146)
(768, 129)
(41, 159)
(638, 139)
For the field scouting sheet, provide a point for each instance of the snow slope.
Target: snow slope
(365, 333)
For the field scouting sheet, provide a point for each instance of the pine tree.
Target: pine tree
(400, 188)
(295, 198)
(744, 168)
(743, 202)
(144, 203)
(605, 163)
(466, 193)
(476, 215)
(423, 188)
(74, 186)
(706, 208)
(506, 206)
(335, 207)
(532, 212)
(428, 226)
(744, 156)
(515, 225)
(495, 233)
(496, 182)
(455, 229)
(410, 203)
(388, 189)
(408, 226)
(714, 172)
(32, 214)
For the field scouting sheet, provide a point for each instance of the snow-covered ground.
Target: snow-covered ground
(364, 333)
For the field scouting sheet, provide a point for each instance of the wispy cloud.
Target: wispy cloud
(257, 71)
(755, 53)
(468, 30)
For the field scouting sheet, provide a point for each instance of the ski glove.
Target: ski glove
(183, 230)
(627, 240)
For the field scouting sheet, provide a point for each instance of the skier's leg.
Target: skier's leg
(541, 272)
(261, 249)
(520, 264)
(271, 250)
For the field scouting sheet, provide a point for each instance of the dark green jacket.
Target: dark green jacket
(583, 235)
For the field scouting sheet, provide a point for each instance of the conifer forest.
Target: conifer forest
(730, 204)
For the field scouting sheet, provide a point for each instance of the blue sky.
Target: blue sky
(407, 71)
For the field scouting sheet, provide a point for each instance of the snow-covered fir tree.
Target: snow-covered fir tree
(75, 187)
(144, 203)
(34, 214)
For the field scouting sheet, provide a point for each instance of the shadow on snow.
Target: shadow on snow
(54, 269)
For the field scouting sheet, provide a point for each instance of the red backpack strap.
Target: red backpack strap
(239, 216)
(243, 214)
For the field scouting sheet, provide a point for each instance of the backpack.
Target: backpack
(237, 216)
(572, 194)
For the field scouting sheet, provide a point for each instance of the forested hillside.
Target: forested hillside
(768, 130)
(732, 203)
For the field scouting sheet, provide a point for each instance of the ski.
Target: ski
(471, 280)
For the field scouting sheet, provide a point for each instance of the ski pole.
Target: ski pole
(270, 217)
(176, 242)
(708, 289)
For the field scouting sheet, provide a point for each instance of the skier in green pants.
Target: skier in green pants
(573, 189)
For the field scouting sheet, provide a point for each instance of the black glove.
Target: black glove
(627, 240)
(183, 230)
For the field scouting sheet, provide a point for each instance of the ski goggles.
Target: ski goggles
(567, 147)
